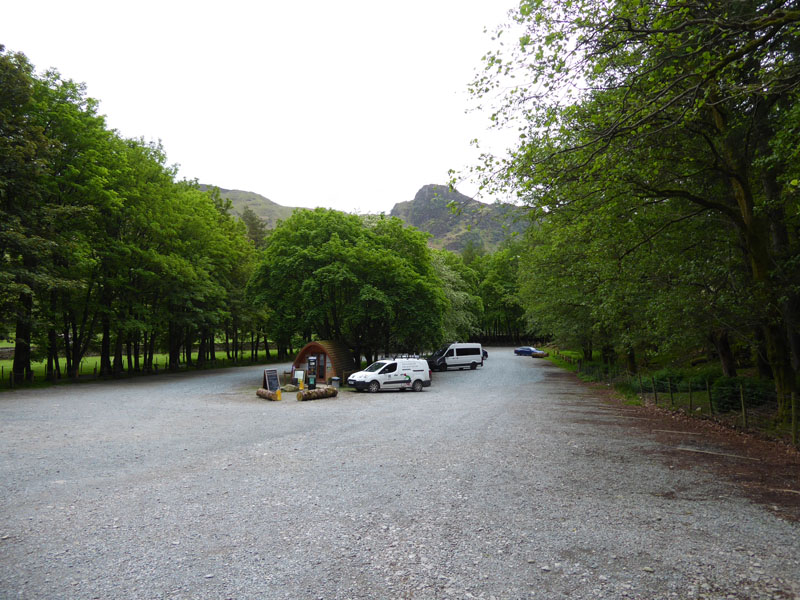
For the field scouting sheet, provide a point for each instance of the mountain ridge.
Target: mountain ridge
(453, 219)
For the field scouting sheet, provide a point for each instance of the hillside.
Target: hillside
(485, 225)
(270, 212)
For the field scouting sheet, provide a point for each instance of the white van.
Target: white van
(392, 374)
(458, 354)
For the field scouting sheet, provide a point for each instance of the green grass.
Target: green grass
(91, 364)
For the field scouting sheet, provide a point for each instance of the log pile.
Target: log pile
(266, 394)
(320, 392)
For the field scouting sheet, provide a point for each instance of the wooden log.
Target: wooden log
(266, 394)
(317, 394)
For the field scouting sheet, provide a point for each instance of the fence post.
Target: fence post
(710, 404)
(641, 389)
(671, 396)
(690, 397)
(744, 409)
(655, 390)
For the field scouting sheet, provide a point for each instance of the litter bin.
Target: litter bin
(335, 382)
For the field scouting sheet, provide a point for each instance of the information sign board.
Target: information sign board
(271, 381)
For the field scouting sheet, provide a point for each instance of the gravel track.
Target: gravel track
(512, 481)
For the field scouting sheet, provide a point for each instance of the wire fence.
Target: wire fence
(744, 403)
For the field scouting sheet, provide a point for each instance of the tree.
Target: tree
(98, 242)
(504, 315)
(367, 282)
(256, 227)
(682, 105)
(460, 284)
(23, 159)
(64, 143)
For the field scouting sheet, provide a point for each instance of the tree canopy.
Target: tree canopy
(657, 145)
(368, 282)
(99, 240)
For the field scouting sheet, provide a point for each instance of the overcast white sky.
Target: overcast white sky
(352, 105)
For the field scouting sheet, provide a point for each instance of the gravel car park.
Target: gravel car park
(511, 481)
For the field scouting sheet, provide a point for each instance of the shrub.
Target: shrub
(726, 392)
(668, 377)
(699, 377)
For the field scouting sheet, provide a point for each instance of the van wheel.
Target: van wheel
(443, 366)
(374, 386)
(473, 366)
(417, 387)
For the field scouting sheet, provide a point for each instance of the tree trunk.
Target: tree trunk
(770, 171)
(174, 346)
(755, 230)
(723, 347)
(117, 369)
(105, 347)
(609, 355)
(21, 366)
(129, 354)
(67, 348)
(202, 349)
(630, 361)
(587, 349)
(52, 354)
(760, 352)
(188, 346)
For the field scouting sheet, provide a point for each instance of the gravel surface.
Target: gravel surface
(511, 481)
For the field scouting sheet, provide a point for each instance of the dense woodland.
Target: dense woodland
(104, 251)
(658, 151)
(657, 161)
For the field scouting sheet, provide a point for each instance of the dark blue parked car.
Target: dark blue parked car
(530, 351)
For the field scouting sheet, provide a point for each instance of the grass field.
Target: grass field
(91, 364)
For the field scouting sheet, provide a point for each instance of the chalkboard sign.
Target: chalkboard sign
(271, 382)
